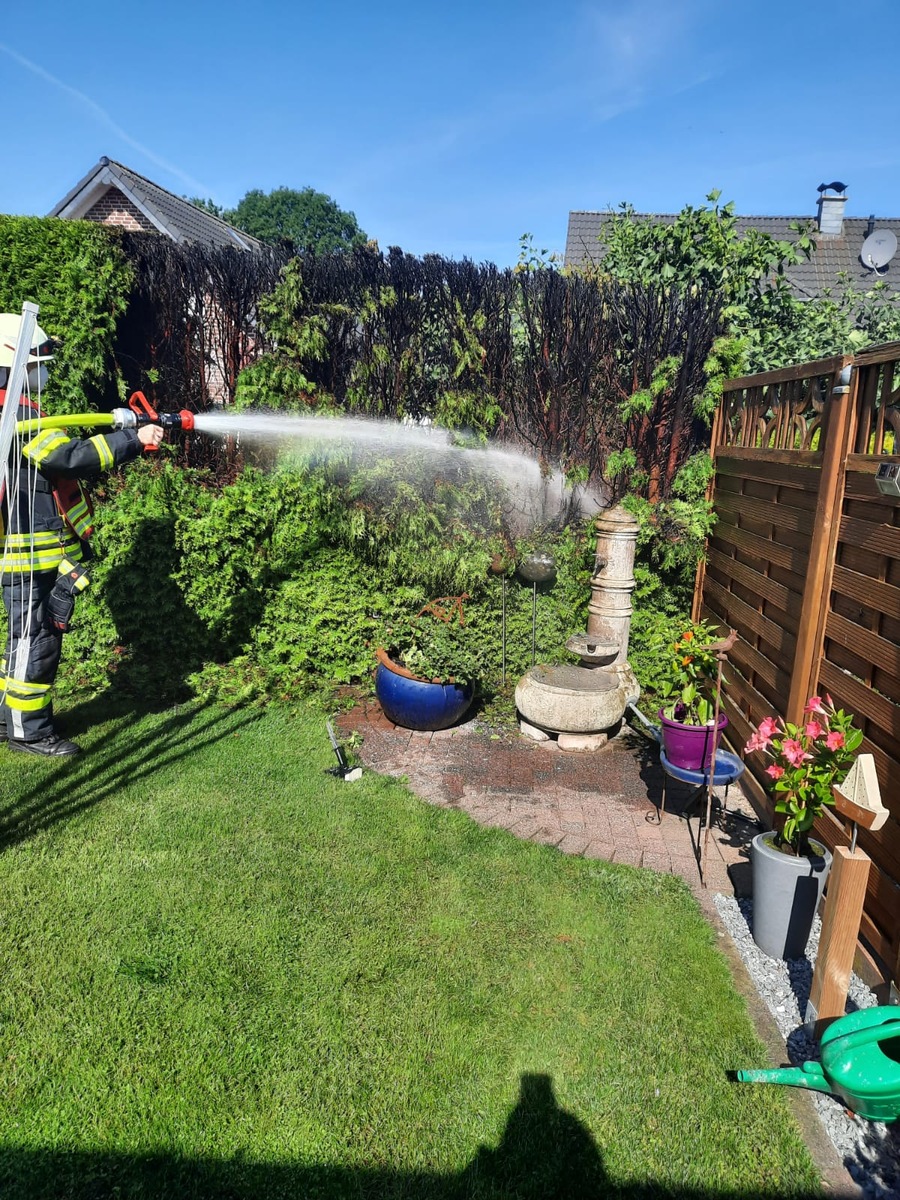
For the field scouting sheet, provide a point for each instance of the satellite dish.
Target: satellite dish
(878, 249)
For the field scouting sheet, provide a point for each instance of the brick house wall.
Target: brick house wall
(114, 208)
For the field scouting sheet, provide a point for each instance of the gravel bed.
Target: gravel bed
(870, 1149)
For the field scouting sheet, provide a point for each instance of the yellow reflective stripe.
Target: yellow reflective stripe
(41, 560)
(80, 522)
(41, 447)
(104, 453)
(16, 541)
(24, 688)
(81, 582)
(27, 705)
(26, 554)
(77, 511)
(27, 697)
(41, 546)
(25, 568)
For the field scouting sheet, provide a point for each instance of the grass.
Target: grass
(226, 973)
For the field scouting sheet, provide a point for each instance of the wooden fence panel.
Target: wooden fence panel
(804, 561)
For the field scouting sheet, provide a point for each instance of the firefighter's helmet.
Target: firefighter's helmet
(42, 347)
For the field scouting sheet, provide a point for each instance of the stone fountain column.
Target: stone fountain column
(612, 584)
(583, 704)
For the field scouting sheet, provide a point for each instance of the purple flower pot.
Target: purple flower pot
(690, 746)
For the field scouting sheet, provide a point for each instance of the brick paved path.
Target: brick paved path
(602, 804)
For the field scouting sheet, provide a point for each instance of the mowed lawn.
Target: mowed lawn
(227, 973)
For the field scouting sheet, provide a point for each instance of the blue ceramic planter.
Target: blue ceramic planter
(415, 704)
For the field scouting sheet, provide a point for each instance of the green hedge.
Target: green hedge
(77, 275)
(285, 582)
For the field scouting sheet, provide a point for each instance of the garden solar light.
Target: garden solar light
(537, 568)
(343, 770)
(500, 567)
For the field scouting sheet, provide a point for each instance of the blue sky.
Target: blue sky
(455, 128)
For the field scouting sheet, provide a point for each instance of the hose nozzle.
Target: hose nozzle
(140, 412)
(179, 420)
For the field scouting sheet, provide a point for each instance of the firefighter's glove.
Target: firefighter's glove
(72, 580)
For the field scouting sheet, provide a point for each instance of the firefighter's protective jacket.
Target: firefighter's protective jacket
(49, 514)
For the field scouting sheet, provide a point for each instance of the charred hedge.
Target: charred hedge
(600, 377)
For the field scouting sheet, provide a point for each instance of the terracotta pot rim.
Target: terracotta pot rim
(389, 664)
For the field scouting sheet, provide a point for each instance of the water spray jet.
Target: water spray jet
(535, 496)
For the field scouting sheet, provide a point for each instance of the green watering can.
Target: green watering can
(860, 1064)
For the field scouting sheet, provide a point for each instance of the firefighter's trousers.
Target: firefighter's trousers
(33, 649)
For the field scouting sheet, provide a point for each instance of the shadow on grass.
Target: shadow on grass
(545, 1153)
(158, 656)
(76, 784)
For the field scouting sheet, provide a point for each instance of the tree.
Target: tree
(702, 246)
(309, 219)
(207, 205)
(767, 325)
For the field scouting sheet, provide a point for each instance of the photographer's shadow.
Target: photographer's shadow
(545, 1153)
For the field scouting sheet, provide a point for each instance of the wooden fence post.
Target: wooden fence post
(837, 942)
(837, 430)
(858, 799)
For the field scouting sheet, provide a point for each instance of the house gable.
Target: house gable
(114, 208)
(113, 194)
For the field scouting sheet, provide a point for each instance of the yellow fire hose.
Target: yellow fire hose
(138, 414)
(64, 420)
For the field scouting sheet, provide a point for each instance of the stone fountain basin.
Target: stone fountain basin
(569, 699)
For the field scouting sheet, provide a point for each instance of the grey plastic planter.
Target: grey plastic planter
(786, 894)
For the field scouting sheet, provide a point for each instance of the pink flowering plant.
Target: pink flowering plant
(807, 761)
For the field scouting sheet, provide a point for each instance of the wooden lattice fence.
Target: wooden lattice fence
(804, 562)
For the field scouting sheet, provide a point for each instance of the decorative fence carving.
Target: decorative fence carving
(804, 562)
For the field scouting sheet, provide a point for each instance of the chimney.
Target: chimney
(831, 213)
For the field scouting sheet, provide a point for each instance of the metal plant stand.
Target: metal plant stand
(537, 568)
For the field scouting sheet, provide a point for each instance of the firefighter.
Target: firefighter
(45, 520)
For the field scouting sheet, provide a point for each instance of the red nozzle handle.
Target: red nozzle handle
(147, 415)
(140, 405)
(145, 412)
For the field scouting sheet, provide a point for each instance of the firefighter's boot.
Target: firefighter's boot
(52, 746)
